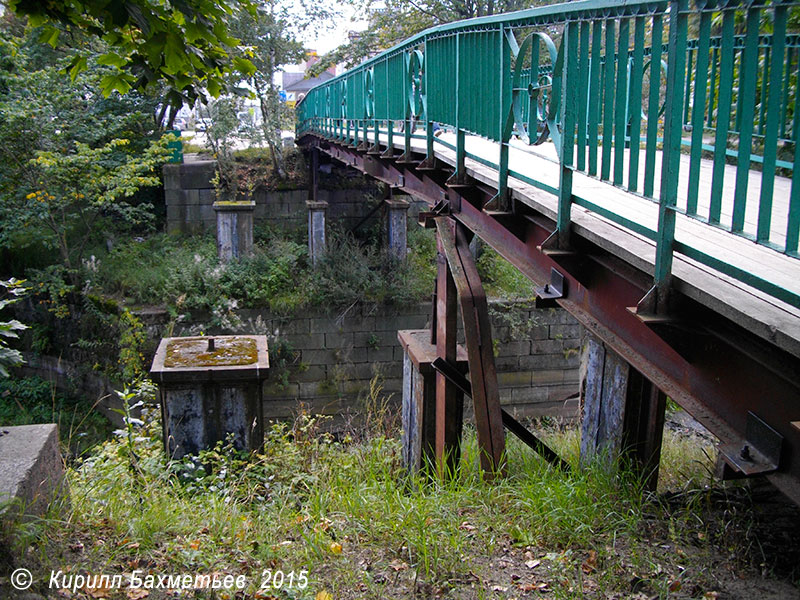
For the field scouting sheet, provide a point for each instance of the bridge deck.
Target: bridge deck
(764, 315)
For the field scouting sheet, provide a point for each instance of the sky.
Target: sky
(325, 41)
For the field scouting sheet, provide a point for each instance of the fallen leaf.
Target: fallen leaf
(711, 595)
(590, 564)
(98, 592)
(499, 588)
(398, 565)
(137, 593)
(194, 544)
(467, 527)
(336, 547)
(133, 546)
(76, 547)
(675, 585)
(532, 564)
(323, 595)
(534, 587)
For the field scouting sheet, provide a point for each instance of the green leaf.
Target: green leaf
(112, 59)
(78, 65)
(214, 87)
(49, 36)
(120, 82)
(244, 66)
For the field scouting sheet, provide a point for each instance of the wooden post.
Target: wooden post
(419, 398)
(453, 241)
(449, 403)
(396, 226)
(316, 230)
(622, 413)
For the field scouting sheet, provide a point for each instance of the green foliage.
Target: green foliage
(72, 161)
(269, 277)
(32, 400)
(502, 279)
(11, 293)
(69, 194)
(184, 274)
(132, 337)
(185, 46)
(162, 269)
(221, 139)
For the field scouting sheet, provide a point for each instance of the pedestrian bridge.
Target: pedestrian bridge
(635, 159)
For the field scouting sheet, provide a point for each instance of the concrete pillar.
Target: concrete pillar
(622, 413)
(234, 229)
(397, 234)
(210, 387)
(419, 399)
(316, 229)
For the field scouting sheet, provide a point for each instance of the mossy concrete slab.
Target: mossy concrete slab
(31, 469)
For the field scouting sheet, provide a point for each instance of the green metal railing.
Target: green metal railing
(619, 87)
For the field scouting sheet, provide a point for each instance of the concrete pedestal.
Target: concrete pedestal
(234, 229)
(316, 229)
(397, 234)
(419, 398)
(210, 387)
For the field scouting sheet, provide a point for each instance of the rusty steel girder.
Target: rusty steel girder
(714, 368)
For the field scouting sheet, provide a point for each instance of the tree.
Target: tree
(398, 20)
(48, 122)
(269, 40)
(184, 45)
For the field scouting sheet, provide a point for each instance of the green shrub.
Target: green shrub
(502, 279)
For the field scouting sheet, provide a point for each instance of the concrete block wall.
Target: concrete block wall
(189, 196)
(329, 360)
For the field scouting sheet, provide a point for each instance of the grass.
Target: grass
(345, 514)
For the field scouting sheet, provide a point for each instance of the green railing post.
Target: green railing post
(582, 90)
(621, 100)
(748, 78)
(608, 99)
(673, 126)
(771, 137)
(725, 99)
(506, 118)
(595, 94)
(568, 112)
(635, 103)
(698, 108)
(652, 106)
